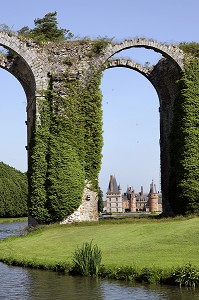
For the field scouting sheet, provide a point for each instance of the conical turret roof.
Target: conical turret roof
(113, 187)
(153, 189)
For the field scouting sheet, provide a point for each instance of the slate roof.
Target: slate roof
(153, 189)
(113, 188)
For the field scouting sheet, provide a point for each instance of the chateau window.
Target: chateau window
(116, 204)
(116, 199)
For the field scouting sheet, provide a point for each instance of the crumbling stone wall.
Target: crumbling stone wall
(33, 64)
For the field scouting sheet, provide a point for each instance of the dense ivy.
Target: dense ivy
(65, 148)
(93, 129)
(185, 142)
(37, 164)
(13, 192)
(66, 176)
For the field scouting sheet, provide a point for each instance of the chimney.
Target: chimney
(142, 191)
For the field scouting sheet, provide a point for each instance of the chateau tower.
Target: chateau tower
(114, 196)
(133, 201)
(153, 198)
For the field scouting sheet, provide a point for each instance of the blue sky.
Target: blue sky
(130, 103)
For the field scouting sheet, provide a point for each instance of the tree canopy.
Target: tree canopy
(46, 29)
(13, 192)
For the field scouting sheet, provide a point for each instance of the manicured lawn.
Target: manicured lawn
(145, 243)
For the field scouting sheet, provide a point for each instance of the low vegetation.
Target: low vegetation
(12, 220)
(145, 250)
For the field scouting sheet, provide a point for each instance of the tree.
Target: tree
(24, 30)
(46, 29)
(100, 200)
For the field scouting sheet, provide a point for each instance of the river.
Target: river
(28, 284)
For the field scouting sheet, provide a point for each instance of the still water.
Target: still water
(27, 284)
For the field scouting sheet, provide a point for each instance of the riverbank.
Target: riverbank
(150, 250)
(11, 220)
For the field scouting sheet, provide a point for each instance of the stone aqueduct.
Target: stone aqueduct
(31, 64)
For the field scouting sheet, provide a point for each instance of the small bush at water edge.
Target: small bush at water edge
(87, 260)
(186, 275)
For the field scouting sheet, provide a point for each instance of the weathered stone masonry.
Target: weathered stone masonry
(32, 64)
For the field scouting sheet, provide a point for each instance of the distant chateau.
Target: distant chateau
(130, 201)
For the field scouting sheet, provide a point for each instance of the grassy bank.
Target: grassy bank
(10, 220)
(139, 246)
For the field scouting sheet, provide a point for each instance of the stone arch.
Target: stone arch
(30, 55)
(27, 65)
(128, 63)
(163, 77)
(16, 66)
(169, 51)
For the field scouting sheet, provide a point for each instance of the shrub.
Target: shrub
(87, 260)
(186, 275)
(150, 275)
(127, 273)
(190, 48)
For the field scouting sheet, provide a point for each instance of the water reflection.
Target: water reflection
(129, 291)
(9, 229)
(48, 285)
(14, 282)
(27, 284)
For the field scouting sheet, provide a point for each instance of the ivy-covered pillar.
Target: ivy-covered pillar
(65, 151)
(37, 162)
(185, 142)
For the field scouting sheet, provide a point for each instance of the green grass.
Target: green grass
(153, 243)
(10, 220)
